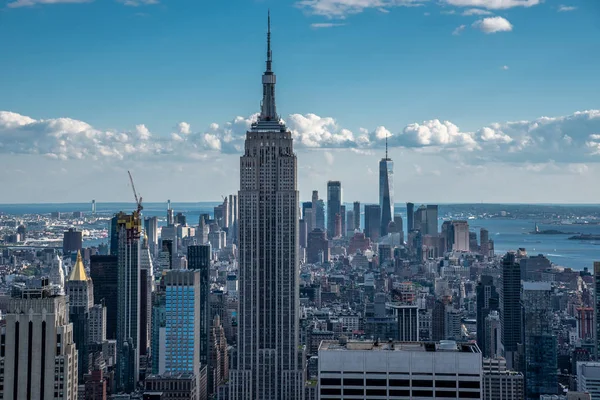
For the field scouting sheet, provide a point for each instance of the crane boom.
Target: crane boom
(138, 202)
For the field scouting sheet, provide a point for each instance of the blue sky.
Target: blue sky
(113, 66)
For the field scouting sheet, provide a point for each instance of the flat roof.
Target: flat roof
(442, 346)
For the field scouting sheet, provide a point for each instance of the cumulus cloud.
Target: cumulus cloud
(493, 25)
(572, 139)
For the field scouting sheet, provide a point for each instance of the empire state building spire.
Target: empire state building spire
(268, 110)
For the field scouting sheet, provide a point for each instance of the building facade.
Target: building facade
(386, 191)
(334, 205)
(269, 359)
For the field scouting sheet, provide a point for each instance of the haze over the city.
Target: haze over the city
(167, 89)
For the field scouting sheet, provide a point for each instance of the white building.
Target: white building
(501, 383)
(97, 324)
(399, 370)
(461, 235)
(40, 358)
(588, 378)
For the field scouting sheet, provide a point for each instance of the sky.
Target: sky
(480, 100)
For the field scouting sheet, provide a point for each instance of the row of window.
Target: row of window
(399, 383)
(401, 393)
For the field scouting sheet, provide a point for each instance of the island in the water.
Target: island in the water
(585, 237)
(537, 231)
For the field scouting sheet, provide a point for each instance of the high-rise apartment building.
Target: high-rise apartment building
(499, 383)
(151, 228)
(38, 357)
(488, 300)
(460, 235)
(510, 308)
(386, 191)
(269, 359)
(128, 301)
(146, 288)
(97, 325)
(373, 222)
(334, 205)
(104, 274)
(80, 290)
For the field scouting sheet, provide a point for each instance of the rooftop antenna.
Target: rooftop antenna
(386, 147)
(269, 54)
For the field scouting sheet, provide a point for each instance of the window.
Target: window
(422, 383)
(353, 392)
(376, 382)
(468, 385)
(353, 382)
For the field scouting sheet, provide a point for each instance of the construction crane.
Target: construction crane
(137, 201)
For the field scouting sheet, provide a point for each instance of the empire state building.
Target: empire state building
(269, 360)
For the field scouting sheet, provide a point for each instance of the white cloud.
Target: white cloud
(30, 3)
(493, 4)
(325, 25)
(563, 8)
(184, 128)
(504, 68)
(137, 3)
(329, 159)
(342, 8)
(493, 25)
(572, 139)
(459, 30)
(475, 11)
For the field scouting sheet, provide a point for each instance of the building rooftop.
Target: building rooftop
(442, 346)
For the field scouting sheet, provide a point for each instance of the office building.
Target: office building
(540, 363)
(420, 219)
(317, 249)
(334, 205)
(432, 220)
(128, 301)
(95, 385)
(410, 217)
(104, 274)
(349, 223)
(318, 209)
(373, 222)
(484, 242)
(146, 288)
(114, 236)
(488, 300)
(97, 324)
(170, 215)
(460, 236)
(492, 334)
(499, 383)
(151, 229)
(72, 241)
(199, 258)
(219, 356)
(181, 353)
(178, 386)
(270, 362)
(588, 378)
(356, 209)
(38, 358)
(308, 216)
(386, 191)
(57, 273)
(80, 290)
(510, 308)
(399, 370)
(407, 317)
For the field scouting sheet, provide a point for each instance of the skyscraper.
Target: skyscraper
(487, 301)
(199, 260)
(597, 306)
(104, 274)
(128, 301)
(356, 207)
(38, 338)
(269, 361)
(540, 363)
(510, 303)
(72, 241)
(410, 217)
(432, 220)
(80, 290)
(372, 221)
(386, 190)
(334, 205)
(484, 242)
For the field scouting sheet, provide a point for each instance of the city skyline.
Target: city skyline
(438, 116)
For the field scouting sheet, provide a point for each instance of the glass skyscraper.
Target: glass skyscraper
(334, 205)
(386, 192)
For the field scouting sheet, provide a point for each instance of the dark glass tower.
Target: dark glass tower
(199, 259)
(386, 191)
(372, 221)
(410, 217)
(510, 303)
(487, 300)
(334, 205)
(103, 271)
